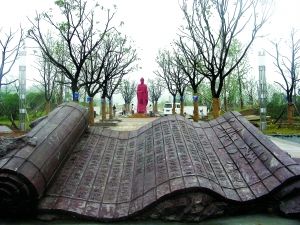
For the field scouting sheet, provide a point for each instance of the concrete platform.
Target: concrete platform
(5, 129)
(129, 124)
(290, 147)
(106, 123)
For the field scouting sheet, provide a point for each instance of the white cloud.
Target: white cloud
(15, 12)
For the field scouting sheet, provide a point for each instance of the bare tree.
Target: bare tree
(172, 75)
(128, 91)
(104, 70)
(63, 83)
(10, 45)
(241, 72)
(120, 61)
(48, 72)
(287, 67)
(76, 30)
(112, 88)
(180, 81)
(212, 26)
(92, 74)
(234, 84)
(155, 91)
(164, 73)
(189, 59)
(251, 90)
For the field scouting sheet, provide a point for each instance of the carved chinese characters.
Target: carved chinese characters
(112, 175)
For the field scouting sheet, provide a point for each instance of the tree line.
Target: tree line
(211, 51)
(81, 49)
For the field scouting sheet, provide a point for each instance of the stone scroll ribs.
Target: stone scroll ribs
(113, 175)
(26, 172)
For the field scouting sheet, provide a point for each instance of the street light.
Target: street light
(22, 88)
(262, 90)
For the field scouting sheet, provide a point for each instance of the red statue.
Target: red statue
(142, 97)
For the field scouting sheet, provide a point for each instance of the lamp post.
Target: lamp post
(262, 90)
(22, 88)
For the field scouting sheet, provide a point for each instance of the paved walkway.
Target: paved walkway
(129, 124)
(5, 129)
(290, 147)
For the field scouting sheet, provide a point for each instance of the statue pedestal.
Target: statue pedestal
(139, 115)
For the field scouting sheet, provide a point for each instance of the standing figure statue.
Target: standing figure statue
(142, 97)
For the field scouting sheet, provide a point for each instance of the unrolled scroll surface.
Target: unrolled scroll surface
(111, 175)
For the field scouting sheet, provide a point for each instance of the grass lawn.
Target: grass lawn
(273, 129)
(5, 122)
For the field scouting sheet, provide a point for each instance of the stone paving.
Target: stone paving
(5, 129)
(290, 147)
(129, 124)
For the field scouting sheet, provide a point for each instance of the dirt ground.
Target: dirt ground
(15, 133)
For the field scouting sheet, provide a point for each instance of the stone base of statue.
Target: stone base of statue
(107, 123)
(139, 115)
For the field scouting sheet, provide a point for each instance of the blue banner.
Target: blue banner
(88, 99)
(195, 98)
(75, 96)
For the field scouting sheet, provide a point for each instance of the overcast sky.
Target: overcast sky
(153, 24)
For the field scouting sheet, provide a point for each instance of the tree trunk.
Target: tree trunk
(174, 105)
(155, 107)
(91, 112)
(13, 124)
(216, 107)
(103, 108)
(61, 90)
(196, 107)
(295, 94)
(84, 98)
(181, 106)
(110, 109)
(127, 108)
(75, 93)
(47, 107)
(151, 107)
(241, 102)
(225, 96)
(240, 91)
(251, 99)
(290, 113)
